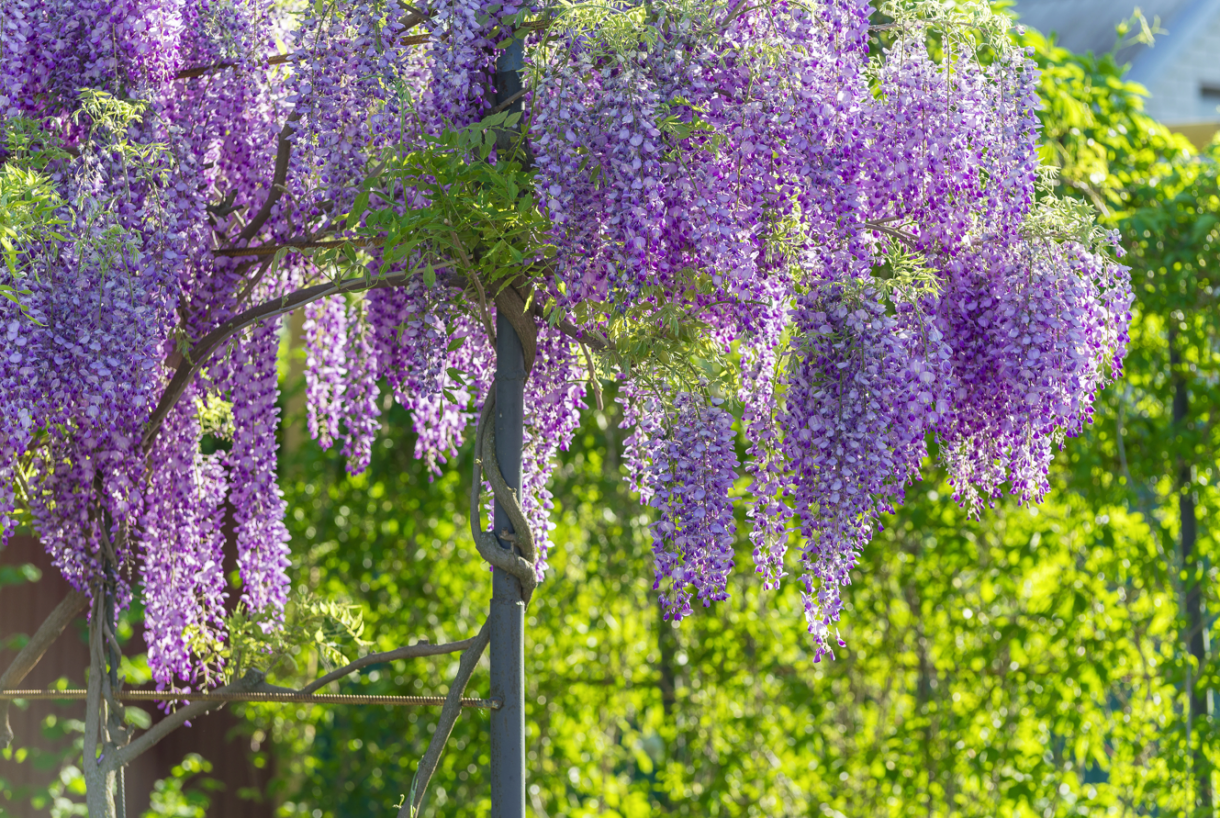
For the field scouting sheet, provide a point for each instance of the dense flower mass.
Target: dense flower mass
(785, 229)
(685, 450)
(861, 399)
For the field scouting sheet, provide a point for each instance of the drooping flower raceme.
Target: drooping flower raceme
(688, 457)
(861, 399)
(326, 338)
(183, 543)
(770, 212)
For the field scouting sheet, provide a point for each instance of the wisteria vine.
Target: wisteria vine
(786, 230)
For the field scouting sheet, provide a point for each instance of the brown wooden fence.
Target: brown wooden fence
(216, 736)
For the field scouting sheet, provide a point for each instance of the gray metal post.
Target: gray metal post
(507, 607)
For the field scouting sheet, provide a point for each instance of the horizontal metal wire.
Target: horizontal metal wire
(286, 698)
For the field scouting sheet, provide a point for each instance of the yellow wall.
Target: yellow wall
(1199, 133)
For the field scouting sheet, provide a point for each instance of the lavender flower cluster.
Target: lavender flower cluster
(861, 224)
(685, 451)
(854, 234)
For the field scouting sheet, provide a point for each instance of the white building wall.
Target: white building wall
(1176, 88)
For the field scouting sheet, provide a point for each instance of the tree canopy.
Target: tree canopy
(828, 229)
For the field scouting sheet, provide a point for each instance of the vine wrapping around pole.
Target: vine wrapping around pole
(516, 347)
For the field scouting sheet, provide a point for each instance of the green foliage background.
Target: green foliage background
(1031, 663)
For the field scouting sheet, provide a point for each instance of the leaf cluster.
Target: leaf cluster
(446, 205)
(333, 631)
(215, 416)
(29, 201)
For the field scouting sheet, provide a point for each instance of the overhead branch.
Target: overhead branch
(901, 235)
(410, 20)
(413, 18)
(444, 725)
(291, 244)
(66, 611)
(123, 756)
(203, 349)
(509, 300)
(408, 652)
(216, 67)
(283, 152)
(506, 104)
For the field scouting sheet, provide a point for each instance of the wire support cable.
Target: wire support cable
(252, 696)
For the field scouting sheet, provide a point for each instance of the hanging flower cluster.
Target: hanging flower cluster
(685, 450)
(775, 208)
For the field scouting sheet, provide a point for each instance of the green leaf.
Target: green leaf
(358, 208)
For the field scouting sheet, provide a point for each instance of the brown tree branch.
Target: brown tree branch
(901, 235)
(212, 68)
(283, 152)
(413, 18)
(255, 682)
(204, 348)
(506, 104)
(408, 652)
(297, 244)
(123, 756)
(444, 725)
(29, 656)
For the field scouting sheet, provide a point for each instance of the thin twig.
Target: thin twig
(444, 725)
(408, 652)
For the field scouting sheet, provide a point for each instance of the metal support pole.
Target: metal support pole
(507, 645)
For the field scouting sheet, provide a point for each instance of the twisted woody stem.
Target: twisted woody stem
(485, 463)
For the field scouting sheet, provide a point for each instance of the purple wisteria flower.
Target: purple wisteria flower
(748, 200)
